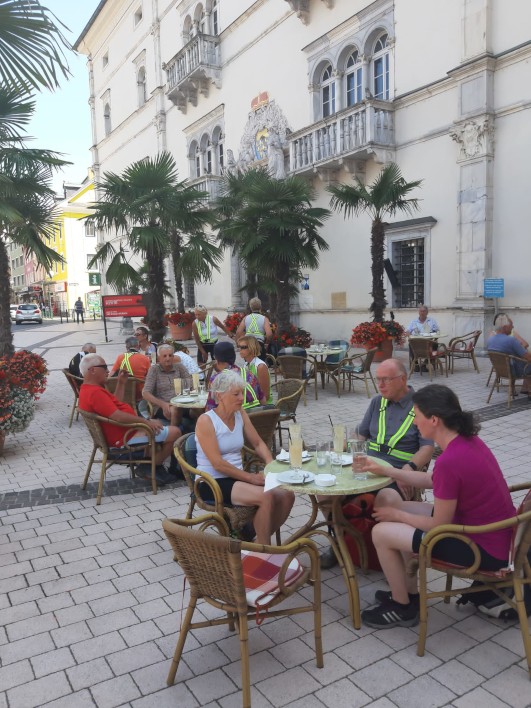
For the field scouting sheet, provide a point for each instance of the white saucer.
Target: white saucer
(325, 480)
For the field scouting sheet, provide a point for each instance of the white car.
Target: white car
(12, 312)
(28, 313)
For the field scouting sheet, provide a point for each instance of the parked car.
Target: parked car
(12, 311)
(28, 313)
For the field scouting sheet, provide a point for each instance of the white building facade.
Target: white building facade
(337, 89)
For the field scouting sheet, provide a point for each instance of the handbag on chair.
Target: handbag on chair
(358, 512)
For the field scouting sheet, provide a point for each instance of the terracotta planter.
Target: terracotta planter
(180, 333)
(385, 351)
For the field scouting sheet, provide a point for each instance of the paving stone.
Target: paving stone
(512, 683)
(489, 659)
(71, 634)
(52, 661)
(152, 609)
(15, 674)
(39, 692)
(151, 679)
(140, 633)
(103, 645)
(170, 697)
(111, 621)
(112, 603)
(86, 674)
(363, 652)
(93, 592)
(380, 678)
(55, 602)
(18, 613)
(83, 699)
(69, 615)
(115, 692)
(218, 685)
(25, 648)
(29, 627)
(422, 692)
(333, 695)
(287, 686)
(263, 666)
(459, 678)
(479, 697)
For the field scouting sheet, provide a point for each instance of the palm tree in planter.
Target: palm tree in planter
(273, 227)
(155, 216)
(387, 196)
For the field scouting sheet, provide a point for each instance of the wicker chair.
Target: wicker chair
(422, 352)
(501, 365)
(265, 423)
(75, 384)
(356, 368)
(130, 395)
(129, 455)
(271, 362)
(515, 576)
(228, 575)
(289, 392)
(464, 348)
(209, 370)
(236, 517)
(293, 367)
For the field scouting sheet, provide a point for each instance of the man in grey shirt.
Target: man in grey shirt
(159, 388)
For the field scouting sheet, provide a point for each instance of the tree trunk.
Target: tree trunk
(6, 336)
(377, 270)
(282, 314)
(155, 298)
(177, 272)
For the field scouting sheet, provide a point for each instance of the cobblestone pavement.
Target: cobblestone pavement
(90, 597)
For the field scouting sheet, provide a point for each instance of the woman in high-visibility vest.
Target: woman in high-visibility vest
(205, 331)
(225, 357)
(250, 351)
(256, 325)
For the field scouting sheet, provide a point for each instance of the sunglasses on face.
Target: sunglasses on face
(100, 366)
(243, 347)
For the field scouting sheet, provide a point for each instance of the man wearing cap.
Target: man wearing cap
(225, 358)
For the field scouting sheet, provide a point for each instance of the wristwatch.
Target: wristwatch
(413, 466)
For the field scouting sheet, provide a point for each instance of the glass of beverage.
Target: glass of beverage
(322, 454)
(186, 391)
(359, 458)
(295, 431)
(352, 436)
(177, 386)
(336, 463)
(201, 389)
(195, 381)
(339, 438)
(295, 453)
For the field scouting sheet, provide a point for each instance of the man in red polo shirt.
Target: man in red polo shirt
(95, 398)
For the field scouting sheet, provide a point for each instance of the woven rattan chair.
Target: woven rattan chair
(265, 423)
(355, 368)
(515, 577)
(289, 392)
(130, 389)
(75, 384)
(130, 455)
(229, 576)
(464, 348)
(236, 517)
(294, 367)
(501, 364)
(209, 370)
(271, 362)
(422, 352)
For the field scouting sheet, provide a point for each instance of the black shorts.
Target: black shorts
(209, 349)
(451, 550)
(225, 484)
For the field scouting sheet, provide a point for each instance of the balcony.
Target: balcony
(210, 184)
(353, 134)
(192, 70)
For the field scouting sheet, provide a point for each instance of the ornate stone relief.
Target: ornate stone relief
(264, 138)
(474, 138)
(302, 8)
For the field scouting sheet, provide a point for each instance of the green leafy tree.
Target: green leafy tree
(273, 227)
(387, 196)
(155, 216)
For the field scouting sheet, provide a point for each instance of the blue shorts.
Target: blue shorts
(142, 439)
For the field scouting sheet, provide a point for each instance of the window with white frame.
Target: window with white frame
(90, 256)
(380, 65)
(137, 17)
(328, 91)
(215, 18)
(141, 86)
(353, 79)
(409, 247)
(105, 60)
(89, 228)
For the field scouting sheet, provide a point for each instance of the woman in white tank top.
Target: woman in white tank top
(220, 435)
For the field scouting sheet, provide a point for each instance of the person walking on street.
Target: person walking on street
(79, 310)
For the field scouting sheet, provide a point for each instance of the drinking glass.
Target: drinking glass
(322, 454)
(201, 389)
(177, 386)
(339, 438)
(336, 463)
(295, 454)
(352, 436)
(195, 381)
(295, 431)
(359, 457)
(186, 391)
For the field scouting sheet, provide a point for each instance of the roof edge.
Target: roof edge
(89, 24)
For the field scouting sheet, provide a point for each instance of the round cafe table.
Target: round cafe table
(197, 403)
(318, 356)
(328, 500)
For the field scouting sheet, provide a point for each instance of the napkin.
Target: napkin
(283, 455)
(271, 481)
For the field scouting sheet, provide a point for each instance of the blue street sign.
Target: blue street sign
(493, 287)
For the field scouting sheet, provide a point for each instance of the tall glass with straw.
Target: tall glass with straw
(295, 447)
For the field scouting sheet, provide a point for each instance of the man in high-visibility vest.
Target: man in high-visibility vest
(391, 434)
(135, 363)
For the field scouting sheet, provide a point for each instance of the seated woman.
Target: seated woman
(224, 359)
(468, 487)
(220, 435)
(250, 352)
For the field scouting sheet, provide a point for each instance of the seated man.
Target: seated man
(133, 362)
(421, 324)
(391, 435)
(95, 398)
(73, 367)
(159, 388)
(503, 342)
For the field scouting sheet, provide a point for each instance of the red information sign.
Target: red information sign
(123, 306)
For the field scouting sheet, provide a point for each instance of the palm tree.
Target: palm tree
(27, 200)
(155, 216)
(31, 46)
(386, 196)
(273, 227)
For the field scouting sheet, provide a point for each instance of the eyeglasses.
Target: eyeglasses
(386, 379)
(243, 347)
(100, 366)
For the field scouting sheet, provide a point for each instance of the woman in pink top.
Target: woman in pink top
(468, 488)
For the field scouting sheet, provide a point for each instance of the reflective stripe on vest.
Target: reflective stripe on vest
(205, 338)
(253, 330)
(248, 388)
(254, 370)
(389, 449)
(126, 364)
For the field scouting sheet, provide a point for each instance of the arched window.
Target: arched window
(107, 119)
(209, 159)
(221, 154)
(328, 91)
(141, 86)
(381, 68)
(197, 162)
(353, 79)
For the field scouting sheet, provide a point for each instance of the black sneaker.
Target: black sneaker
(391, 614)
(385, 595)
(328, 559)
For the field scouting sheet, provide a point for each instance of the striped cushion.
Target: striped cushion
(260, 576)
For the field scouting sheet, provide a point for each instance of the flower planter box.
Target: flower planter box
(180, 333)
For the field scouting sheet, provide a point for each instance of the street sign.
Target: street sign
(94, 279)
(123, 306)
(493, 287)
